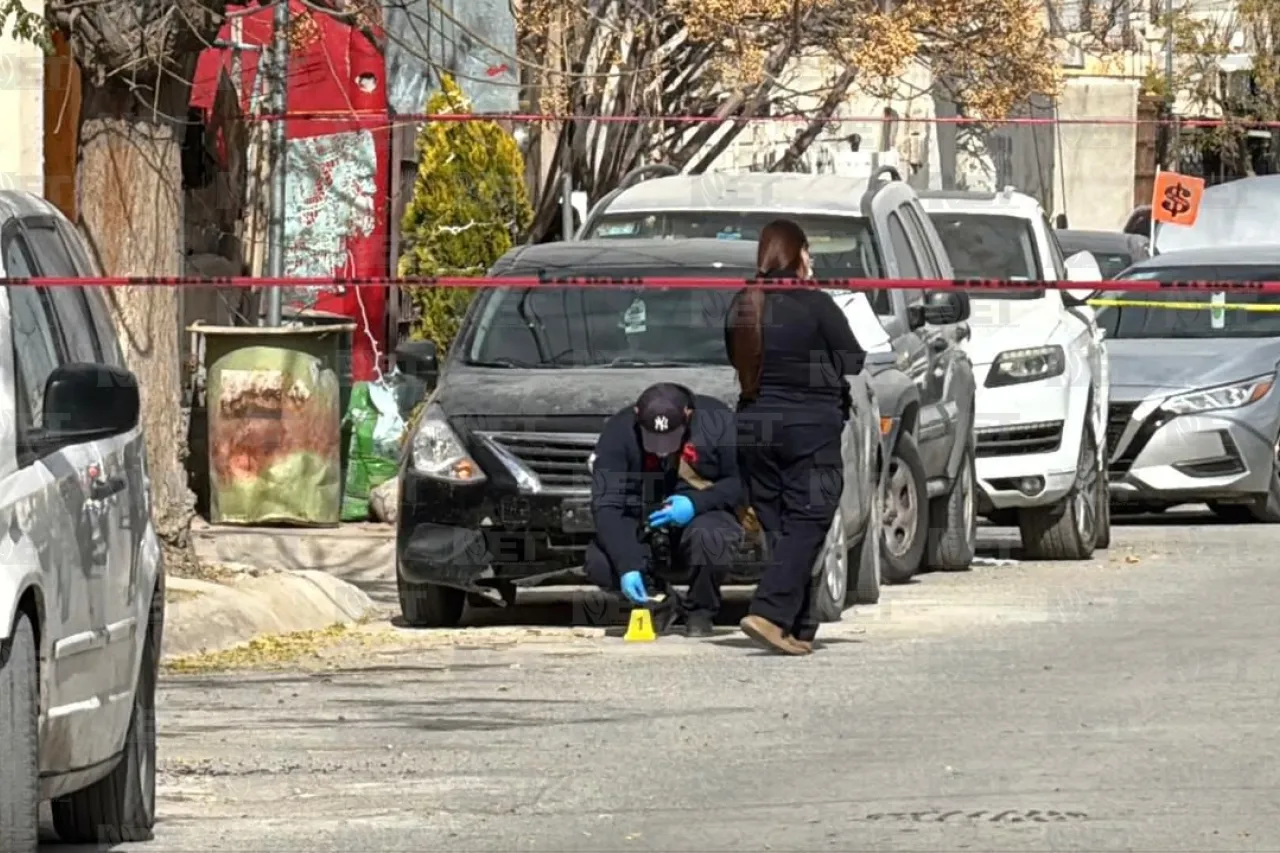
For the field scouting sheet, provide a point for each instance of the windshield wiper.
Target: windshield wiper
(628, 361)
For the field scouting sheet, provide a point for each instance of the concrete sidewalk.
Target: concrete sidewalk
(206, 616)
(360, 554)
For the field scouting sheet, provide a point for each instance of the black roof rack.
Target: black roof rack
(891, 171)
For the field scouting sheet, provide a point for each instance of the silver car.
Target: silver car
(1194, 414)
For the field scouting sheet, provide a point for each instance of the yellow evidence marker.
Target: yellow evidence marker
(640, 628)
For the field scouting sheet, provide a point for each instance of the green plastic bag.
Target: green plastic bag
(373, 457)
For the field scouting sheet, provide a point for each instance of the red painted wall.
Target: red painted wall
(325, 69)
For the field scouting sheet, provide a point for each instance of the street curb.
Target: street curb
(201, 616)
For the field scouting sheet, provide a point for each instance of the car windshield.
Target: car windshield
(984, 245)
(614, 326)
(841, 246)
(1193, 313)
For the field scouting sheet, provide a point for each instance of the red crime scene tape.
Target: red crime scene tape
(533, 118)
(850, 284)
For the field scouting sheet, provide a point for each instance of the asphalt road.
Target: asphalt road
(1122, 704)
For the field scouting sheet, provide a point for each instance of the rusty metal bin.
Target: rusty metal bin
(274, 424)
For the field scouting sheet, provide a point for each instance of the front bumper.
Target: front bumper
(1028, 443)
(469, 535)
(1155, 457)
(473, 535)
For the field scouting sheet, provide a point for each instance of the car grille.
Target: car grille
(1043, 437)
(1117, 421)
(560, 460)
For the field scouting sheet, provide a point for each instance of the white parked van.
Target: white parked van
(81, 580)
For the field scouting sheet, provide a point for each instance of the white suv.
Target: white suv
(81, 581)
(1042, 374)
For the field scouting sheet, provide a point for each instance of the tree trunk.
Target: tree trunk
(130, 205)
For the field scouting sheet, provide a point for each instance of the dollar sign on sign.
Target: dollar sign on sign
(1176, 200)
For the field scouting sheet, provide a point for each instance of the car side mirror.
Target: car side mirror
(946, 307)
(915, 317)
(1083, 267)
(419, 359)
(84, 402)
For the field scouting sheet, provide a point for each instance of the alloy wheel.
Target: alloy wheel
(901, 509)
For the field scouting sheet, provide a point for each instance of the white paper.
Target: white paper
(389, 427)
(863, 320)
(635, 321)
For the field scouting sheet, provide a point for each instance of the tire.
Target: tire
(429, 605)
(1104, 513)
(19, 740)
(831, 576)
(866, 588)
(1067, 530)
(121, 807)
(953, 531)
(905, 519)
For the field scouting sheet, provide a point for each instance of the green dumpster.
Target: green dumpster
(274, 424)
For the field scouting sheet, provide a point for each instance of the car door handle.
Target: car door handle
(103, 489)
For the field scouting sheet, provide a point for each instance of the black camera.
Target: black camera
(659, 541)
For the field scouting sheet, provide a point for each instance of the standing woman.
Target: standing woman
(791, 349)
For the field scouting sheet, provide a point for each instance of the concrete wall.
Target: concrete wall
(1094, 163)
(22, 105)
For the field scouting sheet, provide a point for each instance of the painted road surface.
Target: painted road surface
(1127, 703)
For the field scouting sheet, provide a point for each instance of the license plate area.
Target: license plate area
(575, 517)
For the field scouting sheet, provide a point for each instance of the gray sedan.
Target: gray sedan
(1194, 413)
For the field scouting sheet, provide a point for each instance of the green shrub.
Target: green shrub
(469, 206)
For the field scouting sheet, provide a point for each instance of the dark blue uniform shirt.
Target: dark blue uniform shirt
(628, 484)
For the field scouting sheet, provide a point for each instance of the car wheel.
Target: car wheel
(953, 538)
(19, 740)
(1104, 512)
(1067, 530)
(120, 807)
(866, 588)
(831, 575)
(905, 519)
(429, 605)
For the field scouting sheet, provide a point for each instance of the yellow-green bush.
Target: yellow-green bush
(469, 206)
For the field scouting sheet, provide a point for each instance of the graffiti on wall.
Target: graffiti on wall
(331, 188)
(475, 41)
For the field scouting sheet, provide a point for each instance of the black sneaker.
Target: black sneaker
(699, 625)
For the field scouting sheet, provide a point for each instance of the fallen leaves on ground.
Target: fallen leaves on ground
(267, 652)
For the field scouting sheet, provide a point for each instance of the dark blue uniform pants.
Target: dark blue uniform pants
(794, 471)
(703, 552)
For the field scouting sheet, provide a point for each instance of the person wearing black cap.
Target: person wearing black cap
(668, 461)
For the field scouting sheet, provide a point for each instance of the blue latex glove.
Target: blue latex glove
(678, 510)
(633, 587)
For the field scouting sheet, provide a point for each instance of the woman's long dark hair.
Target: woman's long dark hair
(780, 253)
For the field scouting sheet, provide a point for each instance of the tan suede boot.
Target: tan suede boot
(769, 636)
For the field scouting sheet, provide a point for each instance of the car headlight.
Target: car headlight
(1015, 366)
(439, 452)
(1231, 396)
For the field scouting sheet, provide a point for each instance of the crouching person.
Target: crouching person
(668, 463)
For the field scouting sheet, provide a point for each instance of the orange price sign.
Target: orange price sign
(1176, 199)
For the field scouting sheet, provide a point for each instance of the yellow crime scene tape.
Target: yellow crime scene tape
(1184, 306)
